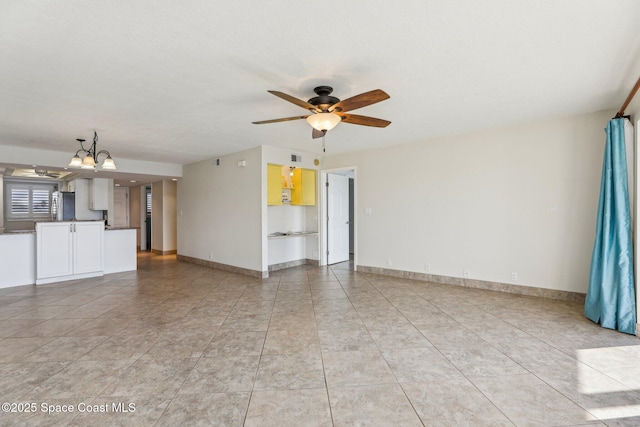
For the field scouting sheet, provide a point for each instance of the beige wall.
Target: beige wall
(157, 216)
(169, 216)
(1, 201)
(220, 210)
(519, 199)
(634, 111)
(135, 211)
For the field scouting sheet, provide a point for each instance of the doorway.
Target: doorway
(147, 219)
(338, 228)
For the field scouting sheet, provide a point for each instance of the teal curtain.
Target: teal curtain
(610, 299)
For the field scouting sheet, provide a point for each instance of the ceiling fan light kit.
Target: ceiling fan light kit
(91, 156)
(323, 121)
(327, 111)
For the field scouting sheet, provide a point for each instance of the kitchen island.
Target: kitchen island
(17, 258)
(120, 252)
(65, 250)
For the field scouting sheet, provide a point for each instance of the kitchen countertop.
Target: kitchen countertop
(10, 232)
(109, 228)
(71, 220)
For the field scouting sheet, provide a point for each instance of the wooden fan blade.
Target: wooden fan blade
(298, 102)
(318, 133)
(360, 101)
(364, 120)
(286, 119)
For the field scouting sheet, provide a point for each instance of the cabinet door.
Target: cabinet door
(99, 194)
(304, 184)
(88, 241)
(54, 250)
(274, 184)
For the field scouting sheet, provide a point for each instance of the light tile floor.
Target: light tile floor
(187, 345)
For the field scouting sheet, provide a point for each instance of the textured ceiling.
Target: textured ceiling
(180, 81)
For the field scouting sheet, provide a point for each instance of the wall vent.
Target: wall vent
(296, 158)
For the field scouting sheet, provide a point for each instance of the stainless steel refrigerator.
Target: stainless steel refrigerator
(67, 206)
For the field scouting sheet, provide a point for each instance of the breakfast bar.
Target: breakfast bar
(65, 250)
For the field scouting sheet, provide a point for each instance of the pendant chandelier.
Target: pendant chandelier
(90, 156)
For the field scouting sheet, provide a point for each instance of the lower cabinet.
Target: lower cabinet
(69, 250)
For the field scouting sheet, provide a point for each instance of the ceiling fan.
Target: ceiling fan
(327, 111)
(38, 173)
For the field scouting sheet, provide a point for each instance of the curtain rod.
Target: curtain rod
(628, 100)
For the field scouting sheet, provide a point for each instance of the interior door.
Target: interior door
(337, 218)
(120, 207)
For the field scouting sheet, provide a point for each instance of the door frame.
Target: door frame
(324, 213)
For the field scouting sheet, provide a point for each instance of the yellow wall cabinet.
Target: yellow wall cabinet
(274, 184)
(304, 187)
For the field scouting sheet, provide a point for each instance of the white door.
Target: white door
(337, 218)
(120, 207)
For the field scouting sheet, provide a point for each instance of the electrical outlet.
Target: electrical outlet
(388, 263)
(315, 254)
(210, 255)
(514, 276)
(553, 209)
(466, 273)
(427, 267)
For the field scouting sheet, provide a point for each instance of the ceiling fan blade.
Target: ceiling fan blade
(315, 134)
(360, 101)
(286, 119)
(364, 120)
(298, 102)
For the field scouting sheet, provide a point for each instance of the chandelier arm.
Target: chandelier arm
(101, 152)
(82, 146)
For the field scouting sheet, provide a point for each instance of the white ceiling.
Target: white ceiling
(177, 82)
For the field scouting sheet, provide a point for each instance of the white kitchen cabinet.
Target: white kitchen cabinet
(69, 250)
(88, 240)
(99, 194)
(120, 250)
(17, 259)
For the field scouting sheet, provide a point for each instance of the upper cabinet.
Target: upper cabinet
(274, 184)
(99, 194)
(300, 185)
(304, 187)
